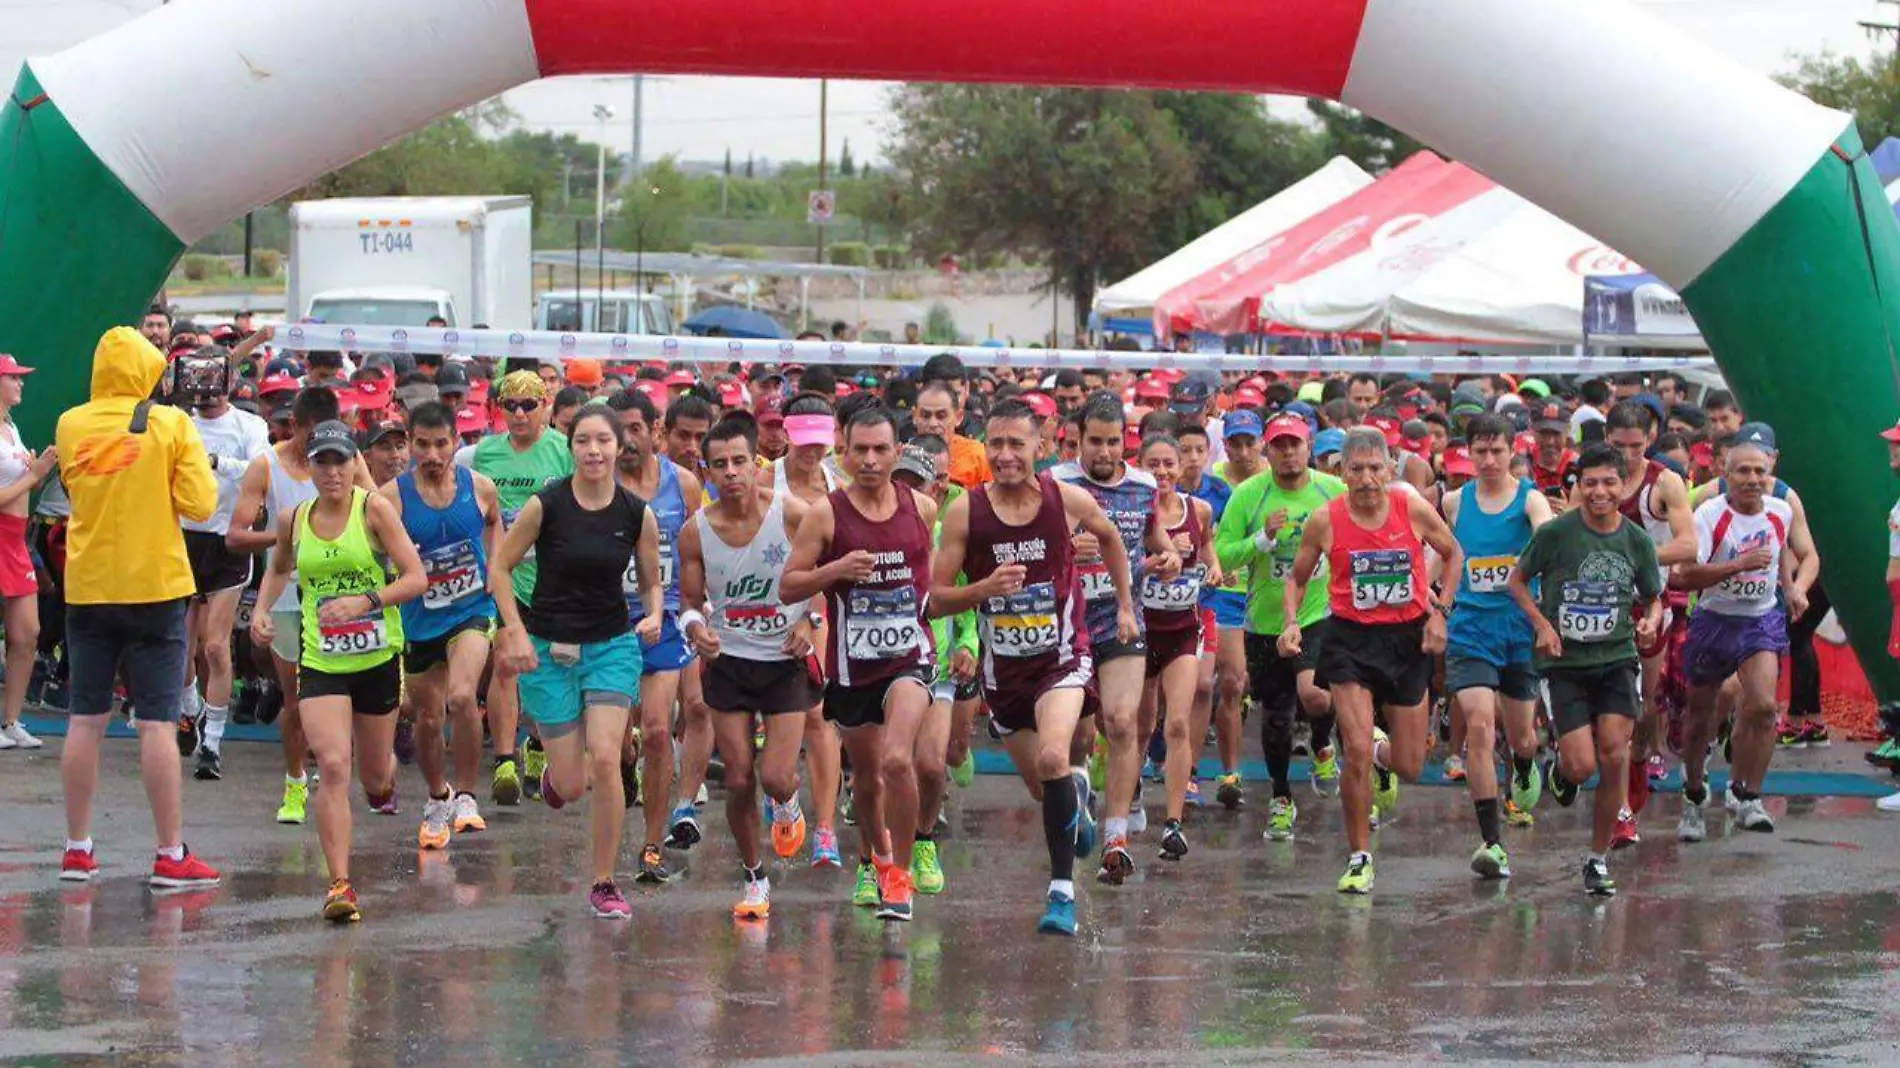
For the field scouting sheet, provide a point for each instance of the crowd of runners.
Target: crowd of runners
(557, 582)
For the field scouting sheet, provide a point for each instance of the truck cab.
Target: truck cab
(617, 311)
(384, 306)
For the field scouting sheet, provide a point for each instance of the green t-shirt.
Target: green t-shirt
(519, 476)
(1590, 582)
(1246, 516)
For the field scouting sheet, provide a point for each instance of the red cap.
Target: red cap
(733, 394)
(681, 377)
(1892, 433)
(1131, 439)
(1458, 461)
(1249, 397)
(1525, 442)
(845, 389)
(470, 420)
(278, 383)
(10, 366)
(1256, 382)
(1287, 426)
(770, 409)
(1388, 426)
(347, 401)
(1151, 387)
(654, 391)
(372, 395)
(1703, 453)
(1041, 403)
(1418, 446)
(478, 392)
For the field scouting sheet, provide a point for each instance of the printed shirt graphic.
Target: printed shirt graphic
(1590, 582)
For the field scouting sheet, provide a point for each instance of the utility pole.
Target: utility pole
(1878, 30)
(639, 107)
(824, 114)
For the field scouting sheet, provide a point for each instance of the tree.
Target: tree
(728, 171)
(748, 167)
(1079, 179)
(654, 210)
(1869, 89)
(1241, 157)
(846, 166)
(1360, 138)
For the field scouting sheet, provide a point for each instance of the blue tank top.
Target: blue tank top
(1130, 505)
(450, 543)
(1491, 543)
(668, 508)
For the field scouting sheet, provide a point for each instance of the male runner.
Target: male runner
(687, 419)
(1377, 653)
(672, 494)
(520, 462)
(1593, 564)
(454, 517)
(1126, 495)
(1739, 628)
(1011, 539)
(756, 651)
(1260, 534)
(232, 439)
(1488, 655)
(867, 549)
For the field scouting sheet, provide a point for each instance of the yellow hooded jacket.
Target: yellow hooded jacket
(130, 491)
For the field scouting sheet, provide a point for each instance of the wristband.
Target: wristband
(1265, 542)
(690, 617)
(375, 599)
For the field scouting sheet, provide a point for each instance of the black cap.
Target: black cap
(1189, 397)
(381, 430)
(331, 436)
(452, 378)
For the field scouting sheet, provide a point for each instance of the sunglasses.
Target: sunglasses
(520, 406)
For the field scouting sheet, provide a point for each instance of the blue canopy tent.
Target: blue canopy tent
(729, 320)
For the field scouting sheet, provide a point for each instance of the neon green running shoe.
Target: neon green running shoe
(534, 768)
(1490, 862)
(1325, 774)
(1358, 877)
(925, 870)
(963, 775)
(1280, 816)
(506, 789)
(296, 796)
(1516, 817)
(865, 895)
(1385, 785)
(1527, 791)
(1098, 767)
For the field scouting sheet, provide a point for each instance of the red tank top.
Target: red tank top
(1378, 576)
(1632, 505)
(877, 628)
(1040, 630)
(1176, 605)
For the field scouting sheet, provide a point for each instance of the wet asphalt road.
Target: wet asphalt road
(1746, 949)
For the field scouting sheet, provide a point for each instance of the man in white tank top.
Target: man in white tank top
(756, 651)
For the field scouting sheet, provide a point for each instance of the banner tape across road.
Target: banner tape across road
(550, 344)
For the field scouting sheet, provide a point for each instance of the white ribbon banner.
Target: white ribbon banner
(550, 344)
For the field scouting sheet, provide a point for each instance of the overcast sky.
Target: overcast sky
(700, 118)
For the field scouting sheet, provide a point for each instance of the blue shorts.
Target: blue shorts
(1230, 607)
(608, 673)
(1500, 637)
(671, 653)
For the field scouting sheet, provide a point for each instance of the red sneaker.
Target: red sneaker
(1625, 834)
(1639, 785)
(77, 866)
(184, 873)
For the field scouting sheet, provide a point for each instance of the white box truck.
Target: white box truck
(400, 261)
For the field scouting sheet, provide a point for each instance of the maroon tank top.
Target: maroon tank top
(1176, 605)
(1040, 630)
(1632, 505)
(877, 627)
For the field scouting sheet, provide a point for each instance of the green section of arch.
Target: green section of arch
(1803, 315)
(78, 254)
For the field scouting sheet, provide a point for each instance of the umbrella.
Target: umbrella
(729, 320)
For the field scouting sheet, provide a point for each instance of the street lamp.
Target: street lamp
(602, 114)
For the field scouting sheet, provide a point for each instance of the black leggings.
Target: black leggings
(1804, 676)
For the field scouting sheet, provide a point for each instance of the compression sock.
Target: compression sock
(1058, 826)
(1276, 740)
(1487, 819)
(1323, 732)
(1524, 768)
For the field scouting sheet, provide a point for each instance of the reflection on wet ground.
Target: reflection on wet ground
(1759, 948)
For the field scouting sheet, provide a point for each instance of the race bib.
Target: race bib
(882, 624)
(1023, 623)
(1096, 583)
(1381, 577)
(1754, 586)
(1281, 570)
(762, 621)
(453, 574)
(353, 637)
(508, 517)
(1489, 574)
(1178, 595)
(1590, 611)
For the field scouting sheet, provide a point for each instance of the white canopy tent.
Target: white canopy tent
(1134, 297)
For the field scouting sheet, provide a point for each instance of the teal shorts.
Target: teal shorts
(608, 673)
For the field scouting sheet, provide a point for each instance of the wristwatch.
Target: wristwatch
(375, 599)
(816, 619)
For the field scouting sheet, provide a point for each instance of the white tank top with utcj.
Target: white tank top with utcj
(281, 498)
(742, 587)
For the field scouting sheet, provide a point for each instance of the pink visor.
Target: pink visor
(811, 429)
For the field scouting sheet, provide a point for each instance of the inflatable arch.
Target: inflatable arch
(1754, 202)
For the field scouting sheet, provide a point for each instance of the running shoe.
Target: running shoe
(187, 734)
(1561, 788)
(1098, 767)
(1753, 816)
(1324, 776)
(339, 905)
(1194, 794)
(1731, 801)
(757, 902)
(1526, 789)
(1228, 791)
(1173, 843)
(1059, 917)
(684, 834)
(78, 866)
(1693, 826)
(1150, 771)
(608, 902)
(210, 766)
(824, 850)
(468, 816)
(19, 737)
(895, 894)
(1385, 792)
(1657, 767)
(1515, 816)
(864, 894)
(1788, 735)
(405, 741)
(847, 811)
(1281, 812)
(1084, 819)
(1596, 879)
(1358, 877)
(652, 866)
(438, 817)
(1491, 862)
(1455, 768)
(1813, 734)
(926, 868)
(788, 827)
(1138, 815)
(702, 795)
(1624, 834)
(1117, 863)
(1889, 803)
(385, 805)
(534, 768)
(964, 772)
(296, 797)
(506, 787)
